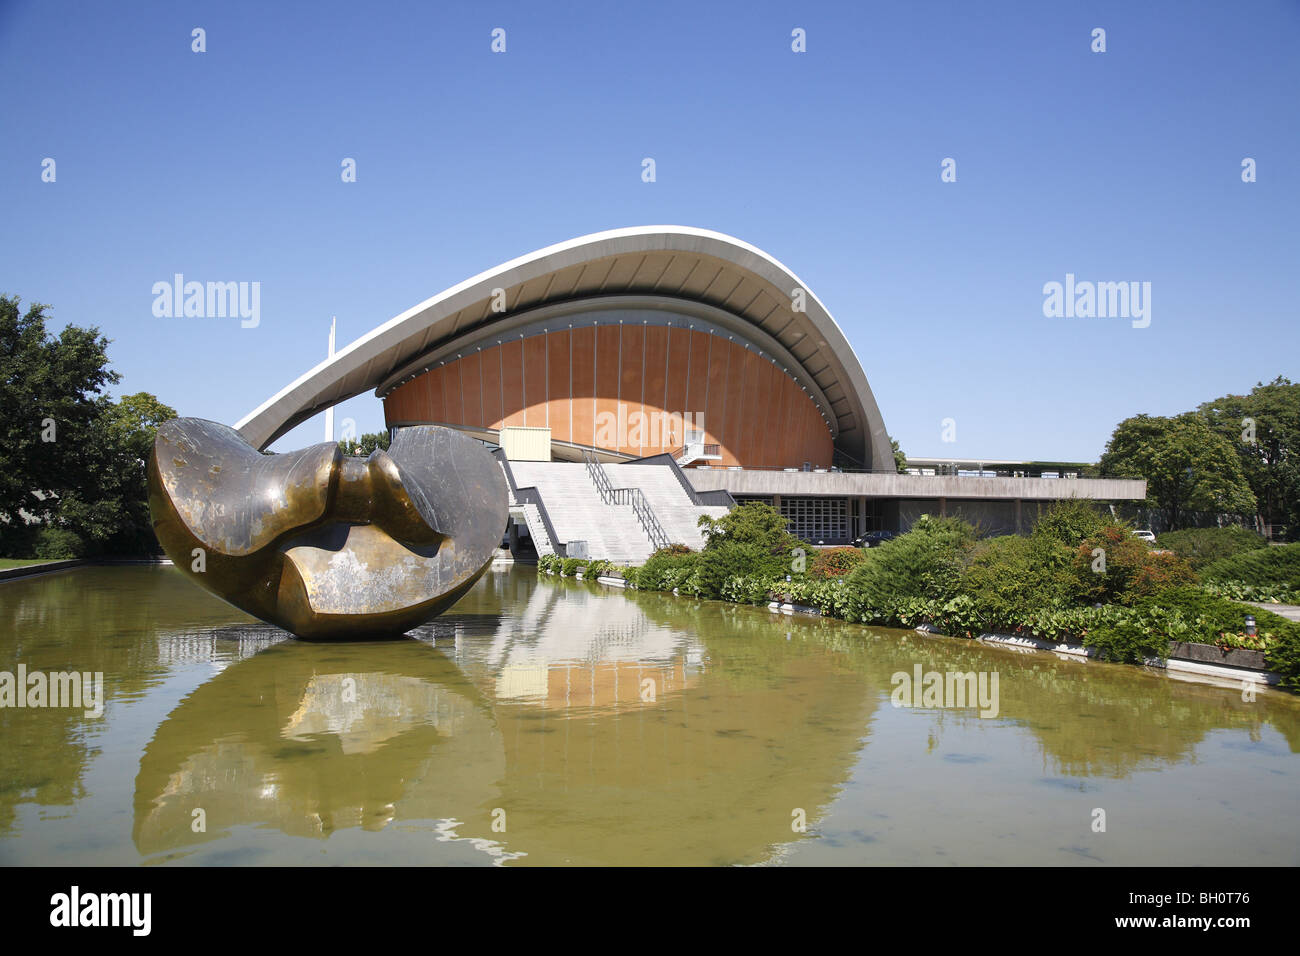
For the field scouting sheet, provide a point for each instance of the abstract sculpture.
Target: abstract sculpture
(323, 545)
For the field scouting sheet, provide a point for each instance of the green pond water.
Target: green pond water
(554, 722)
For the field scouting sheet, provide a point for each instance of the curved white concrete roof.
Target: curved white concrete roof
(676, 262)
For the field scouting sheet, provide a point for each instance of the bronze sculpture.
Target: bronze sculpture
(321, 544)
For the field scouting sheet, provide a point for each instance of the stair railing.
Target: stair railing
(599, 477)
(626, 496)
(644, 513)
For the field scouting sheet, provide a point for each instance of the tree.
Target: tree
(130, 428)
(900, 460)
(368, 443)
(1264, 429)
(70, 456)
(1070, 521)
(750, 523)
(50, 402)
(1188, 467)
(1116, 568)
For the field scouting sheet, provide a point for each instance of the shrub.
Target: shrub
(1241, 591)
(547, 563)
(725, 559)
(58, 544)
(1132, 635)
(749, 523)
(749, 540)
(1276, 565)
(746, 589)
(828, 595)
(655, 574)
(1201, 546)
(1283, 656)
(597, 569)
(1008, 574)
(925, 562)
(1125, 570)
(670, 549)
(569, 566)
(1216, 620)
(759, 525)
(836, 562)
(1071, 522)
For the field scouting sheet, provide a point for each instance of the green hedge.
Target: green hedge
(1041, 586)
(1275, 566)
(58, 544)
(836, 562)
(1202, 546)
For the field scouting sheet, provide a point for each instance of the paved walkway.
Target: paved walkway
(1289, 611)
(38, 567)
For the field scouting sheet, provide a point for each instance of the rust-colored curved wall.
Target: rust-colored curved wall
(574, 380)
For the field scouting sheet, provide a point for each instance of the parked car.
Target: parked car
(1146, 536)
(873, 538)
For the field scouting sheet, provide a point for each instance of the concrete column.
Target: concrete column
(1019, 526)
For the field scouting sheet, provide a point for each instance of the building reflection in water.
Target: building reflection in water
(571, 648)
(530, 700)
(603, 736)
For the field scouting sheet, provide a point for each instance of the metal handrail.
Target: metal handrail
(645, 514)
(531, 495)
(626, 496)
(712, 498)
(599, 477)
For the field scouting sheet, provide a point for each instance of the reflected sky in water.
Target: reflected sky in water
(555, 722)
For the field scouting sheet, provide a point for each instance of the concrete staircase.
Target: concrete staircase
(612, 532)
(531, 516)
(672, 505)
(537, 530)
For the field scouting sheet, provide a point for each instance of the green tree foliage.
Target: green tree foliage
(70, 455)
(926, 562)
(1202, 546)
(366, 445)
(1277, 566)
(1264, 429)
(900, 460)
(1116, 568)
(1006, 574)
(108, 505)
(836, 562)
(750, 539)
(1188, 466)
(655, 573)
(1071, 521)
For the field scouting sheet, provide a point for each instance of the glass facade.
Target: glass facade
(817, 520)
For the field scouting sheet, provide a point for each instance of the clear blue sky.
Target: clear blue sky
(1115, 167)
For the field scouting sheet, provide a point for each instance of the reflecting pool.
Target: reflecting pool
(556, 722)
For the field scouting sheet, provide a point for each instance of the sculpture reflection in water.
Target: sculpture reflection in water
(324, 545)
(311, 739)
(539, 712)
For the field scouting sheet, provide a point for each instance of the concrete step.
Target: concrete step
(613, 532)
